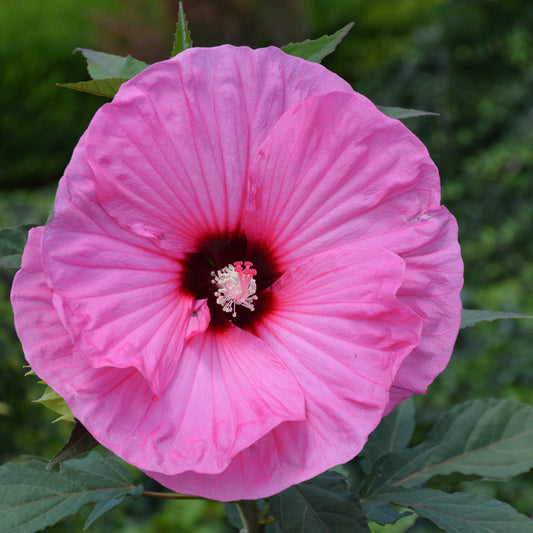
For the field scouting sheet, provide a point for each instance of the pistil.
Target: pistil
(235, 286)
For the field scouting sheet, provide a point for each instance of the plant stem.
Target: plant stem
(251, 517)
(170, 496)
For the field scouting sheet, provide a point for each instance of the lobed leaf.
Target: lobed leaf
(487, 438)
(460, 512)
(103, 66)
(32, 498)
(401, 113)
(322, 504)
(471, 317)
(393, 434)
(182, 37)
(12, 243)
(102, 87)
(316, 50)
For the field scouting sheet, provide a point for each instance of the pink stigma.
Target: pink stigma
(236, 286)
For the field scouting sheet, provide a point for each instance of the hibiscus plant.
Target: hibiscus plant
(246, 275)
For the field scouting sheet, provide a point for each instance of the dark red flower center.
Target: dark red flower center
(217, 252)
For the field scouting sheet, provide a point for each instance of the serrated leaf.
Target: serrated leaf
(53, 401)
(460, 512)
(323, 504)
(471, 317)
(102, 66)
(103, 87)
(32, 498)
(182, 37)
(12, 243)
(487, 438)
(393, 434)
(316, 50)
(80, 441)
(391, 468)
(401, 113)
(382, 512)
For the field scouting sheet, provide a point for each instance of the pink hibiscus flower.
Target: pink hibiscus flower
(248, 265)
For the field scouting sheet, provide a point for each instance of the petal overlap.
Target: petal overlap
(331, 151)
(116, 294)
(171, 152)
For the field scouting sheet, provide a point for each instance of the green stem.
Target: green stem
(170, 496)
(251, 517)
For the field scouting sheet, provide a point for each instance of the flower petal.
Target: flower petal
(116, 294)
(363, 176)
(432, 286)
(230, 390)
(343, 333)
(171, 155)
(214, 407)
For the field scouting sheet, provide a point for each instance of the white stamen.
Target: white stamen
(236, 286)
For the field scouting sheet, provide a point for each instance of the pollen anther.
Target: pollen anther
(235, 286)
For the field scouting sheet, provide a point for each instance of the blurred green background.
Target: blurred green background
(469, 60)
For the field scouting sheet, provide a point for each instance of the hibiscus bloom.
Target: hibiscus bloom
(247, 267)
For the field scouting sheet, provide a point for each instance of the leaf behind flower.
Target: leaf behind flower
(103, 87)
(182, 37)
(316, 50)
(80, 441)
(401, 113)
(102, 66)
(471, 317)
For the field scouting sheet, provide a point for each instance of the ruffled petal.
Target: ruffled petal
(363, 176)
(214, 407)
(171, 152)
(116, 293)
(230, 390)
(343, 333)
(432, 287)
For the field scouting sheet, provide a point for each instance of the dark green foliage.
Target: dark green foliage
(323, 504)
(39, 123)
(31, 497)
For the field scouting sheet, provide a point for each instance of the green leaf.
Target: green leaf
(392, 468)
(12, 242)
(182, 37)
(322, 504)
(382, 512)
(53, 401)
(471, 317)
(401, 113)
(32, 498)
(460, 512)
(487, 438)
(102, 66)
(80, 441)
(393, 434)
(104, 87)
(316, 50)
